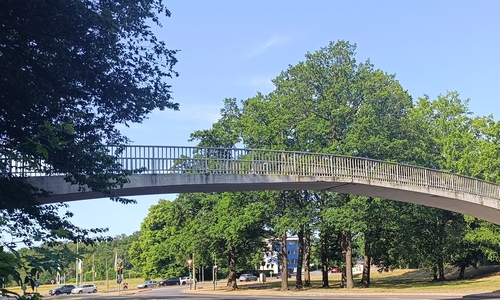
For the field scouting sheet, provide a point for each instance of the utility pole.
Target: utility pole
(77, 265)
(93, 268)
(107, 276)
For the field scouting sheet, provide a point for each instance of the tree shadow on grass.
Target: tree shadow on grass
(399, 280)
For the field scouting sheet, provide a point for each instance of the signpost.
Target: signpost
(189, 262)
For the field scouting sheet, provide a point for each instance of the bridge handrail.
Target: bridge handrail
(197, 160)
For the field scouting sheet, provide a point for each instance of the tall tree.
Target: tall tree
(71, 72)
(459, 142)
(330, 103)
(235, 227)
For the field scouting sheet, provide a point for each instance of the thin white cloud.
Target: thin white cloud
(275, 40)
(262, 84)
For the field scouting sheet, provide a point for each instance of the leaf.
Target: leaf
(42, 150)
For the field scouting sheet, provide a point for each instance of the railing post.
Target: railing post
(206, 161)
(425, 178)
(153, 161)
(331, 167)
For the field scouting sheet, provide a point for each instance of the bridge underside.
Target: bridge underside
(151, 184)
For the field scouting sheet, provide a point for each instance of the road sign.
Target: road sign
(119, 280)
(119, 261)
(52, 281)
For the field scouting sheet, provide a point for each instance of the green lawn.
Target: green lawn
(484, 279)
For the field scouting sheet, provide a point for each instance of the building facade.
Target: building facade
(271, 260)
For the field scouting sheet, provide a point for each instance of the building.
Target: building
(271, 257)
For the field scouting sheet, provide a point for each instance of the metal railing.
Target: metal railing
(196, 160)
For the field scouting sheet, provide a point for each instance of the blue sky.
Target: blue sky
(234, 48)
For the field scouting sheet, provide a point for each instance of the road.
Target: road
(183, 293)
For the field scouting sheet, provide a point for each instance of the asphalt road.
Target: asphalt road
(206, 292)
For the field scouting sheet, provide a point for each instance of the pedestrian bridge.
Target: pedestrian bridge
(191, 169)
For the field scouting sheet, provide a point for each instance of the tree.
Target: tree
(71, 72)
(331, 104)
(233, 223)
(455, 141)
(165, 241)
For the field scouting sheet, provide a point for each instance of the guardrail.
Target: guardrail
(196, 160)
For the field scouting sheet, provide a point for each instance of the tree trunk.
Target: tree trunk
(434, 273)
(231, 279)
(284, 263)
(441, 271)
(307, 259)
(366, 265)
(343, 278)
(461, 274)
(300, 260)
(324, 261)
(347, 250)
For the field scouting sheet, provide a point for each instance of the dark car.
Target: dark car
(170, 281)
(65, 289)
(248, 277)
(278, 275)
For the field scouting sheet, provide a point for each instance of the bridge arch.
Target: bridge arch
(192, 169)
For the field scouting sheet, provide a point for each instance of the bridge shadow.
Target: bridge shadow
(491, 295)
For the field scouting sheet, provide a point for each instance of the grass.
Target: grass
(485, 279)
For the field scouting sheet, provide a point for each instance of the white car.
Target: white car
(186, 280)
(86, 288)
(148, 284)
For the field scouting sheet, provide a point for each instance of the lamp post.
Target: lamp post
(190, 261)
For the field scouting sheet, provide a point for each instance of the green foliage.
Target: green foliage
(206, 225)
(71, 72)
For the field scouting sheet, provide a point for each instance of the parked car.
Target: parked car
(170, 281)
(86, 288)
(64, 289)
(186, 279)
(248, 277)
(278, 275)
(148, 284)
